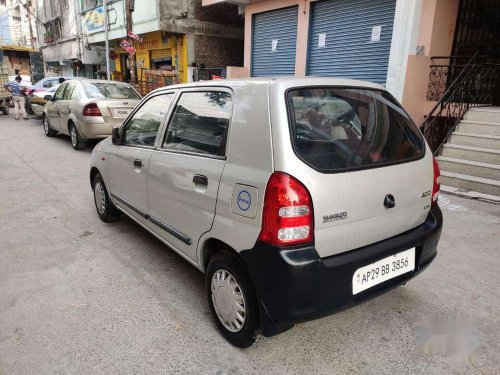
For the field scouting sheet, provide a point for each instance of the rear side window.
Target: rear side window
(199, 123)
(339, 129)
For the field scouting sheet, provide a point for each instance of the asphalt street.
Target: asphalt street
(78, 296)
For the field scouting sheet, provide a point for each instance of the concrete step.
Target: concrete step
(471, 183)
(490, 114)
(470, 194)
(483, 155)
(471, 168)
(476, 140)
(479, 127)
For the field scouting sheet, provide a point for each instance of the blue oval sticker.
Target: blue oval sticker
(244, 200)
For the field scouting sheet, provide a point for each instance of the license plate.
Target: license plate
(383, 270)
(119, 112)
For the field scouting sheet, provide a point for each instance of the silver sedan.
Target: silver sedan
(88, 109)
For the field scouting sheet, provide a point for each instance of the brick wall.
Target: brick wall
(217, 52)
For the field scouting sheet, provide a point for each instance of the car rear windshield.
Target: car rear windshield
(339, 129)
(110, 90)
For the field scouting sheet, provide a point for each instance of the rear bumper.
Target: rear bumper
(93, 130)
(295, 285)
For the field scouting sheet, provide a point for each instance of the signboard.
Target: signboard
(127, 46)
(93, 21)
(134, 36)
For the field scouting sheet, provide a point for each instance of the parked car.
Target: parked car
(297, 197)
(37, 100)
(87, 109)
(47, 83)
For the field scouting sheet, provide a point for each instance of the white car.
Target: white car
(297, 197)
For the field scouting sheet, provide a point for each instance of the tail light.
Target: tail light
(91, 109)
(288, 213)
(437, 182)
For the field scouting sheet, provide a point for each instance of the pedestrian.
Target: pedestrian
(17, 92)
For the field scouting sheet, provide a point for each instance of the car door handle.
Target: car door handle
(137, 163)
(199, 179)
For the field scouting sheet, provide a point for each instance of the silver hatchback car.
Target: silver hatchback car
(297, 197)
(87, 109)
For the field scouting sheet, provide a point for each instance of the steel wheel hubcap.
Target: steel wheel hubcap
(100, 198)
(228, 300)
(73, 136)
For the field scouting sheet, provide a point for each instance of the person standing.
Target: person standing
(17, 92)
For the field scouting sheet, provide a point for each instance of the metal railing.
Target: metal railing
(463, 83)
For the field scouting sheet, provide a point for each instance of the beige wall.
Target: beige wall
(437, 28)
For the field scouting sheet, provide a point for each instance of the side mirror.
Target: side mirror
(47, 97)
(116, 136)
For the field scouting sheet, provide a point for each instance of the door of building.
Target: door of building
(274, 39)
(351, 38)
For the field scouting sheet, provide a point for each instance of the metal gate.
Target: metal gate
(351, 38)
(274, 39)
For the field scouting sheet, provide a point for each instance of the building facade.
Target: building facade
(174, 37)
(61, 42)
(391, 42)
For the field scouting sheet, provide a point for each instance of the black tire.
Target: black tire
(106, 210)
(47, 129)
(27, 106)
(76, 140)
(5, 110)
(227, 261)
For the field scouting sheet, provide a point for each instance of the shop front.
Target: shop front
(159, 54)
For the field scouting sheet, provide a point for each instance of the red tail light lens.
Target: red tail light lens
(288, 213)
(91, 109)
(437, 182)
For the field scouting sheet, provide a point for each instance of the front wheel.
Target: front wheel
(105, 208)
(76, 140)
(232, 299)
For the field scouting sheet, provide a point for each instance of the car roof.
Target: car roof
(285, 82)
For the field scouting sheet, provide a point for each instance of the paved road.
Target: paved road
(78, 296)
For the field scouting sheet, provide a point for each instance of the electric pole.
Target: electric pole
(129, 5)
(106, 39)
(32, 38)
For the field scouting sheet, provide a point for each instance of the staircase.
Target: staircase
(470, 160)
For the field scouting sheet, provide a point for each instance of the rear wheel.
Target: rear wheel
(105, 208)
(232, 299)
(49, 132)
(76, 140)
(27, 106)
(5, 110)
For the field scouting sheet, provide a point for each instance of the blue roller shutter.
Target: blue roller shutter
(280, 25)
(348, 49)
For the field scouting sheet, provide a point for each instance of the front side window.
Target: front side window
(96, 90)
(60, 91)
(199, 123)
(336, 129)
(50, 83)
(142, 128)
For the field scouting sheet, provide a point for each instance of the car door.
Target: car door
(185, 170)
(129, 161)
(51, 108)
(63, 106)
